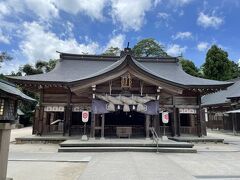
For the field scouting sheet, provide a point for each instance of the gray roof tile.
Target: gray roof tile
(11, 89)
(76, 68)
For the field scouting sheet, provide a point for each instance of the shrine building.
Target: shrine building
(121, 93)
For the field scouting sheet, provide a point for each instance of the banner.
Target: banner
(152, 108)
(99, 107)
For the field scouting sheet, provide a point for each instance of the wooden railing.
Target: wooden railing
(154, 136)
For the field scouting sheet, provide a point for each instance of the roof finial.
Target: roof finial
(128, 45)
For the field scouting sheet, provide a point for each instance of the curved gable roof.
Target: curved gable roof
(71, 68)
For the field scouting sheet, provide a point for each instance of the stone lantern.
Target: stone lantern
(9, 97)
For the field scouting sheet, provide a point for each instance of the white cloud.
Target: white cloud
(4, 38)
(48, 9)
(163, 15)
(92, 8)
(209, 20)
(4, 9)
(38, 43)
(183, 35)
(202, 46)
(130, 14)
(116, 41)
(10, 66)
(177, 3)
(45, 9)
(163, 19)
(175, 49)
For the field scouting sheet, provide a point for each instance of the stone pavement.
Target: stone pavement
(42, 162)
(134, 166)
(26, 131)
(49, 157)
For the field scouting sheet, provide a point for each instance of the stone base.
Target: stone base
(164, 138)
(84, 138)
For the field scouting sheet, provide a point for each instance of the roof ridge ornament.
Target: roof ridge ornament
(126, 51)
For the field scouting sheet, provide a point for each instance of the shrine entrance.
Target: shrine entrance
(125, 124)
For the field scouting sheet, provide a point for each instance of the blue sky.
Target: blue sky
(32, 30)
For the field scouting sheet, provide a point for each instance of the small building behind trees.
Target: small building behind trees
(223, 108)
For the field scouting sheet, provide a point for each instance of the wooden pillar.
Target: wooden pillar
(44, 120)
(69, 112)
(234, 117)
(174, 119)
(147, 123)
(40, 122)
(65, 120)
(41, 111)
(199, 123)
(35, 120)
(178, 131)
(93, 124)
(102, 126)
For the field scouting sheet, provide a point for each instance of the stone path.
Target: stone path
(49, 157)
(134, 166)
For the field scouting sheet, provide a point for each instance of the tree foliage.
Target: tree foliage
(4, 56)
(190, 68)
(149, 48)
(112, 51)
(217, 66)
(39, 67)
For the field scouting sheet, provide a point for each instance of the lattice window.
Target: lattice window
(11, 108)
(126, 81)
(1, 107)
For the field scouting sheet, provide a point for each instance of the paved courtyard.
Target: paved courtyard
(42, 162)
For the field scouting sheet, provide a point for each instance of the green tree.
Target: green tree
(39, 67)
(4, 56)
(217, 66)
(51, 65)
(112, 51)
(189, 67)
(149, 48)
(235, 70)
(30, 70)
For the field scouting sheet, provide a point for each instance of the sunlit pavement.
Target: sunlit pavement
(42, 162)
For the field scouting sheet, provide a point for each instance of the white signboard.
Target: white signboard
(165, 117)
(187, 111)
(82, 107)
(54, 108)
(85, 116)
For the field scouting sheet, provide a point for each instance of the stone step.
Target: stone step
(124, 145)
(127, 149)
